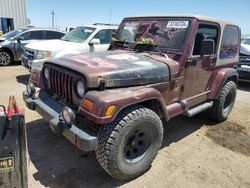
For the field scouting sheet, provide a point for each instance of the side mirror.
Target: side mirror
(95, 41)
(207, 47)
(19, 39)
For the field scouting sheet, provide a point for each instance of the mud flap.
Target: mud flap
(13, 147)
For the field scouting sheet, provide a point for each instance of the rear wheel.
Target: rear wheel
(224, 104)
(6, 58)
(128, 146)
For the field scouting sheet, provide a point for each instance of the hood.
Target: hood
(117, 68)
(53, 45)
(245, 49)
(6, 42)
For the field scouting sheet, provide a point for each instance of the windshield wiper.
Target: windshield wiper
(149, 47)
(120, 43)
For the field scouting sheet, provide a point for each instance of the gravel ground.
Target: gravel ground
(196, 152)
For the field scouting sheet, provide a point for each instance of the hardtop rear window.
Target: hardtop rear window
(230, 42)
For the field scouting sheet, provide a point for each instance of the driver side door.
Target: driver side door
(199, 69)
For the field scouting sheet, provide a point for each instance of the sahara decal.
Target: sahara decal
(123, 57)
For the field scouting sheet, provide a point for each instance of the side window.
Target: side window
(230, 42)
(33, 35)
(104, 36)
(205, 31)
(26, 36)
(53, 35)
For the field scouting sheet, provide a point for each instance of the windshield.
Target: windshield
(12, 34)
(167, 33)
(79, 34)
(246, 41)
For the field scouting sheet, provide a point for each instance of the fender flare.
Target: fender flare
(121, 99)
(220, 77)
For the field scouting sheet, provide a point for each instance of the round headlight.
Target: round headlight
(46, 73)
(80, 88)
(68, 115)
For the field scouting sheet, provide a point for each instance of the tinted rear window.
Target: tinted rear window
(230, 42)
(53, 35)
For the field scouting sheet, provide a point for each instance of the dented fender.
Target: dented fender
(219, 78)
(121, 98)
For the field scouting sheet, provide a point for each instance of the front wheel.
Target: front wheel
(128, 146)
(224, 104)
(6, 58)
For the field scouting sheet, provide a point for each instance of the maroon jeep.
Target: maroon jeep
(157, 67)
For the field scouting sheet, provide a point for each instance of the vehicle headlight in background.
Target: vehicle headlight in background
(80, 88)
(46, 73)
(43, 54)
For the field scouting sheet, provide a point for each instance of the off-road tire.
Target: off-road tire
(224, 103)
(114, 140)
(8, 56)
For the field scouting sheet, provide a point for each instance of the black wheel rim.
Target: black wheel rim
(227, 103)
(137, 145)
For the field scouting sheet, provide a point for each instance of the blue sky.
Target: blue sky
(79, 12)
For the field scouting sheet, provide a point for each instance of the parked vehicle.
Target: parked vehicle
(157, 67)
(69, 28)
(245, 47)
(88, 38)
(243, 67)
(12, 43)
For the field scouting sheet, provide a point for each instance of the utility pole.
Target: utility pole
(53, 15)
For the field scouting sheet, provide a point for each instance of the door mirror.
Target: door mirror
(207, 47)
(95, 41)
(19, 39)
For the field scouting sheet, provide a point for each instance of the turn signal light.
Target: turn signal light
(88, 104)
(110, 110)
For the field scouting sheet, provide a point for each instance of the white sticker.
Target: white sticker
(123, 57)
(177, 24)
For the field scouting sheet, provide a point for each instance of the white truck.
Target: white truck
(82, 39)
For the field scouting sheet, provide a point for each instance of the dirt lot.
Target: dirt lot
(196, 152)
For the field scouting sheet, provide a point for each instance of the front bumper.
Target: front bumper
(26, 62)
(84, 138)
(244, 73)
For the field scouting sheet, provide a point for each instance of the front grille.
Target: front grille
(30, 54)
(61, 84)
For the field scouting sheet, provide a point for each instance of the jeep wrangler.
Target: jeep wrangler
(157, 67)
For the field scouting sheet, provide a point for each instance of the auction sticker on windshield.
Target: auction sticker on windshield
(7, 164)
(177, 24)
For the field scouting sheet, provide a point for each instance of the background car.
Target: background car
(82, 39)
(243, 67)
(12, 43)
(245, 47)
